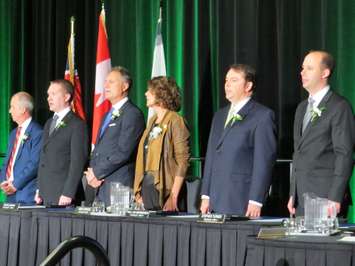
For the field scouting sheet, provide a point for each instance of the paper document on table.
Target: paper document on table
(28, 207)
(347, 239)
(184, 216)
(267, 220)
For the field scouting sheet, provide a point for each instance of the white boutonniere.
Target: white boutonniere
(236, 117)
(115, 114)
(61, 124)
(24, 138)
(316, 113)
(155, 132)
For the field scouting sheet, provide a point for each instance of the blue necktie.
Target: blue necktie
(106, 122)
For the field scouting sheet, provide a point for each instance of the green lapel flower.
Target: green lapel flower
(235, 118)
(316, 113)
(61, 124)
(24, 138)
(115, 114)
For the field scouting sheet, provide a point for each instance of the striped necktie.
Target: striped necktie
(230, 115)
(13, 151)
(308, 114)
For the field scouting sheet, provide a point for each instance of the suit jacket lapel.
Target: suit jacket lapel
(150, 124)
(21, 141)
(299, 119)
(10, 147)
(122, 109)
(98, 138)
(243, 113)
(310, 125)
(65, 120)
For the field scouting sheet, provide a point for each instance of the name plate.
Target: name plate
(272, 232)
(135, 213)
(9, 206)
(83, 210)
(212, 218)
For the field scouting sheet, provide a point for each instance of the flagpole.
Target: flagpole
(72, 53)
(160, 10)
(72, 21)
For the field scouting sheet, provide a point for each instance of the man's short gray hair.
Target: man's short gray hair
(25, 100)
(125, 75)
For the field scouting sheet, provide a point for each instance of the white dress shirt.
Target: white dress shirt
(21, 139)
(319, 95)
(61, 115)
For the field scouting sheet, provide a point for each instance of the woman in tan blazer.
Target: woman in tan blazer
(163, 151)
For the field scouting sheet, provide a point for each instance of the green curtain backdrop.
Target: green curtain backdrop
(201, 39)
(11, 64)
(132, 46)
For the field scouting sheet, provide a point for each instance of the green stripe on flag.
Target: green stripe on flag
(351, 211)
(2, 196)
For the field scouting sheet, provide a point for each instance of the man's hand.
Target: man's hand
(205, 206)
(253, 210)
(337, 206)
(64, 200)
(91, 179)
(8, 187)
(38, 199)
(290, 206)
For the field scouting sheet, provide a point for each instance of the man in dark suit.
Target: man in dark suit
(241, 150)
(19, 171)
(323, 137)
(65, 149)
(113, 158)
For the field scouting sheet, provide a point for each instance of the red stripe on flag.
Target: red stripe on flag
(71, 74)
(78, 103)
(103, 53)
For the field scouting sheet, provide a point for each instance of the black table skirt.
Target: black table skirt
(28, 237)
(300, 251)
(14, 237)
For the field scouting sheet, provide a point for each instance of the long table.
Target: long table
(27, 237)
(31, 235)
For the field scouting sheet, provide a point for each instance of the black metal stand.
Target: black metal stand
(75, 242)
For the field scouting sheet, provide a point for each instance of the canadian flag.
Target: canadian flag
(103, 67)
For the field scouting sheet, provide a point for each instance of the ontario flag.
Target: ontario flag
(103, 67)
(71, 74)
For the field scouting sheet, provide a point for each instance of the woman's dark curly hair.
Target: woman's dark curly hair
(166, 92)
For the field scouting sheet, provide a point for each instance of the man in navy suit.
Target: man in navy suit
(113, 158)
(19, 171)
(241, 150)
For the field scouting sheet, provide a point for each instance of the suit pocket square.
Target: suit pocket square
(112, 125)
